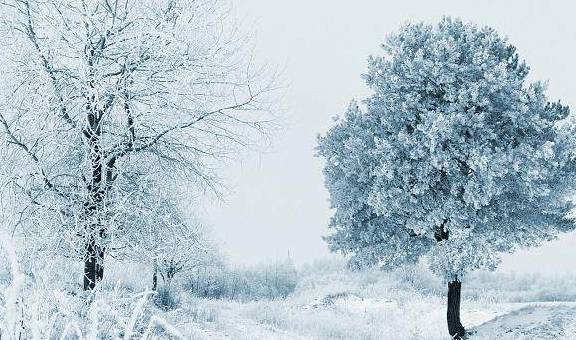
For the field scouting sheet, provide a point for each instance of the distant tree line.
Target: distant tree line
(272, 281)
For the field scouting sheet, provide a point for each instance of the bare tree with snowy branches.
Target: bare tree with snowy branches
(98, 91)
(156, 230)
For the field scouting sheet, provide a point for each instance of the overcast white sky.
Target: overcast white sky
(278, 202)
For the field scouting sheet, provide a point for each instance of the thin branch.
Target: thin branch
(47, 67)
(18, 142)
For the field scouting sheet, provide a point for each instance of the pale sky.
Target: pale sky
(278, 202)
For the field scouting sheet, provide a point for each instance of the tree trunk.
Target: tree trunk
(455, 327)
(94, 252)
(93, 265)
(155, 277)
(169, 276)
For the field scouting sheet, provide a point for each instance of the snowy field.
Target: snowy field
(373, 318)
(340, 305)
(328, 302)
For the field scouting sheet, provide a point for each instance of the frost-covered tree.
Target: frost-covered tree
(95, 91)
(158, 232)
(455, 156)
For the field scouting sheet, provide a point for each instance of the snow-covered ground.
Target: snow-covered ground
(532, 321)
(336, 304)
(370, 318)
(329, 302)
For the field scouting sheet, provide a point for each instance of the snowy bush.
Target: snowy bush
(272, 281)
(30, 310)
(166, 298)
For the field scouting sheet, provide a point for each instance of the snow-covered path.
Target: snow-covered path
(352, 317)
(534, 321)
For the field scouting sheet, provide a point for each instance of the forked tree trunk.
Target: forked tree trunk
(169, 277)
(455, 327)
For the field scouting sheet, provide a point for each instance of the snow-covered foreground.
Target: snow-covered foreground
(534, 321)
(330, 302)
(351, 317)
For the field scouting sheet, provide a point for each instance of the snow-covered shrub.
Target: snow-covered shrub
(500, 287)
(31, 308)
(166, 298)
(420, 278)
(130, 276)
(271, 281)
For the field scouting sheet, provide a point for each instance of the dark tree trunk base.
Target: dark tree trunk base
(155, 280)
(455, 327)
(93, 266)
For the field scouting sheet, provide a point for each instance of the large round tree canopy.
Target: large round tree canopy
(455, 154)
